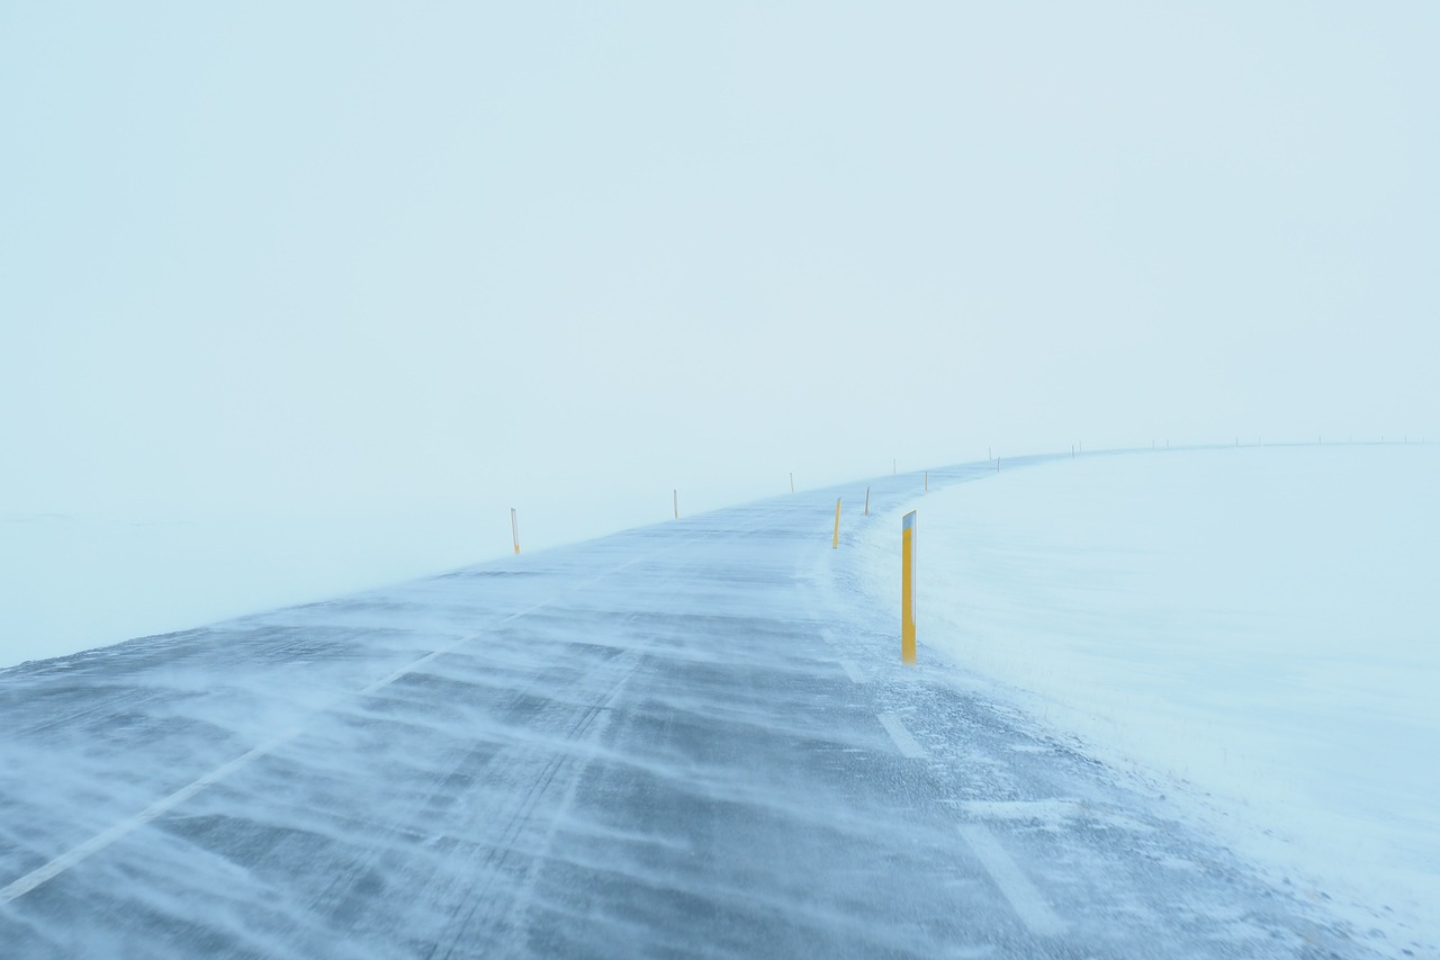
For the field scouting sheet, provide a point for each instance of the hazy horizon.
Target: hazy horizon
(330, 259)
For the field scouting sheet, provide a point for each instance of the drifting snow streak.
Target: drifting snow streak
(670, 758)
(100, 841)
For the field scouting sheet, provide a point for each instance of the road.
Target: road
(686, 740)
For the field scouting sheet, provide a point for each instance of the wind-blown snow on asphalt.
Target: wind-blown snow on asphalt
(1256, 627)
(693, 738)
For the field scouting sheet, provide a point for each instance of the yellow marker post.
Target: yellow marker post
(835, 542)
(676, 494)
(515, 531)
(907, 588)
(867, 501)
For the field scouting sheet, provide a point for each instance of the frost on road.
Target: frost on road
(693, 739)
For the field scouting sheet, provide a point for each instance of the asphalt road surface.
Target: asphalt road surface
(687, 740)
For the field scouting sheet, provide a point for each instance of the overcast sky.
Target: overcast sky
(261, 257)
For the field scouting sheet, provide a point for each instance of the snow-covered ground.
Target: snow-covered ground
(1256, 630)
(76, 581)
(1251, 630)
(72, 583)
(687, 739)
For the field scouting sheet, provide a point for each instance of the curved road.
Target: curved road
(687, 740)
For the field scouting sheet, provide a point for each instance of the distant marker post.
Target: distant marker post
(867, 501)
(792, 482)
(907, 588)
(515, 531)
(676, 495)
(835, 541)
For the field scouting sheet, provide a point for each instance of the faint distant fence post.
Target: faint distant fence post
(835, 541)
(515, 531)
(907, 588)
(676, 495)
(867, 501)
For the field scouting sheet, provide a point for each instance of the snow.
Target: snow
(648, 744)
(1249, 632)
(73, 583)
(1253, 630)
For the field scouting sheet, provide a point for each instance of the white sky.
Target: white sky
(300, 257)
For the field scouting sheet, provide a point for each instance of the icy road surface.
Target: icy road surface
(688, 740)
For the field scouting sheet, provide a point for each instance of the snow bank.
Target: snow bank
(1258, 627)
